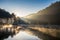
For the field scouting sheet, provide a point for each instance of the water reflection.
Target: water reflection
(8, 30)
(22, 35)
(45, 32)
(29, 33)
(41, 35)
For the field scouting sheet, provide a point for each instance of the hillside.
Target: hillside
(49, 15)
(4, 14)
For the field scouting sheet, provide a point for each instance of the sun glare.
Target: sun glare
(18, 12)
(22, 12)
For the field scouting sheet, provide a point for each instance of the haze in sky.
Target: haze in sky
(25, 7)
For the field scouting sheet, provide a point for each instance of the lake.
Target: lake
(38, 32)
(22, 35)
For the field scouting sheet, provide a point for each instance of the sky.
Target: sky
(23, 8)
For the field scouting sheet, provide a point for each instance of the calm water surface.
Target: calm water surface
(22, 35)
(33, 33)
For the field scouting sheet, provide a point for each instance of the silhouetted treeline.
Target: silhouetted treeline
(4, 14)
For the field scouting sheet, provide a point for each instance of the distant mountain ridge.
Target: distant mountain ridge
(49, 15)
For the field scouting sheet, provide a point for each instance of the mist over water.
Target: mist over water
(30, 33)
(42, 25)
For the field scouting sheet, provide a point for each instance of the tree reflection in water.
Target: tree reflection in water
(11, 31)
(8, 30)
(37, 32)
(22, 35)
